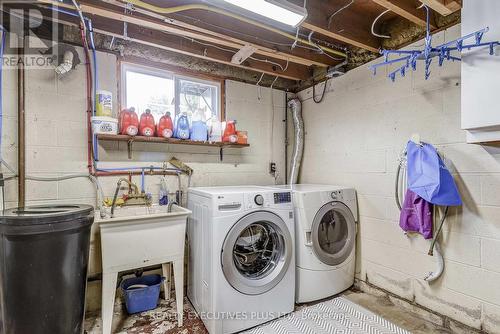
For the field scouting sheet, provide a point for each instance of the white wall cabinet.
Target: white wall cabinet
(481, 74)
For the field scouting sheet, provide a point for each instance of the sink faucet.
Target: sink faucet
(118, 185)
(170, 205)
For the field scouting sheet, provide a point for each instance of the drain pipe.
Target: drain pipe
(298, 147)
(21, 153)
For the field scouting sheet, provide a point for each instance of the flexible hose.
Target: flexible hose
(435, 248)
(434, 275)
(434, 240)
(298, 148)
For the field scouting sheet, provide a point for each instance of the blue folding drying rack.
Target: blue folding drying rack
(443, 52)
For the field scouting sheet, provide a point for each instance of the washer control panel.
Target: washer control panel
(284, 197)
(337, 195)
(259, 200)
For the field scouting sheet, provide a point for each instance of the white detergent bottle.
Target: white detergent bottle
(215, 130)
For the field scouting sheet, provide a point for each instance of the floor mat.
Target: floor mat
(338, 315)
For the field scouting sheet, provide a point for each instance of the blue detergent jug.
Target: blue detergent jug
(182, 127)
(199, 131)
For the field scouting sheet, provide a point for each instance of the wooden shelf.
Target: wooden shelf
(169, 141)
(174, 141)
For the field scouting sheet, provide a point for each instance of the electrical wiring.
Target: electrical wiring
(309, 37)
(330, 18)
(176, 9)
(255, 38)
(322, 94)
(283, 69)
(272, 84)
(80, 15)
(197, 21)
(375, 21)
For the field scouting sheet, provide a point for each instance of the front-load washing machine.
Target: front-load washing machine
(325, 239)
(241, 256)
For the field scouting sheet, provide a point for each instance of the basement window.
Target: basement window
(161, 91)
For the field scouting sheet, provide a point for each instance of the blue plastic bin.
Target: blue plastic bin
(141, 293)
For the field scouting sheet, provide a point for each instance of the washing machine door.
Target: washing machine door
(256, 253)
(333, 233)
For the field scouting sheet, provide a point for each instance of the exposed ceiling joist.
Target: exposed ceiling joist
(224, 56)
(443, 7)
(405, 9)
(341, 38)
(348, 26)
(309, 60)
(228, 14)
(183, 29)
(157, 39)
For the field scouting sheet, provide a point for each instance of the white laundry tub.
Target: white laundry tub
(140, 237)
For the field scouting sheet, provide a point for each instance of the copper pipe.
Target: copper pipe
(21, 153)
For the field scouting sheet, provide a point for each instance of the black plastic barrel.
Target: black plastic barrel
(44, 253)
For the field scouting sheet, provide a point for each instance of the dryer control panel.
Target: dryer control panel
(269, 199)
(337, 195)
(282, 197)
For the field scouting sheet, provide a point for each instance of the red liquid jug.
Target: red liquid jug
(147, 124)
(165, 126)
(129, 122)
(230, 135)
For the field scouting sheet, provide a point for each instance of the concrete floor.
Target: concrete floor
(163, 320)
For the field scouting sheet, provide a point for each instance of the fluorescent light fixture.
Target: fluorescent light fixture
(277, 10)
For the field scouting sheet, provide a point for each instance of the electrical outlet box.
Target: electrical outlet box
(272, 168)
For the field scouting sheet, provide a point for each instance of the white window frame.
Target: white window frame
(167, 75)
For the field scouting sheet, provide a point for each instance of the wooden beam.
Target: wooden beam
(308, 60)
(183, 29)
(405, 9)
(177, 44)
(185, 46)
(443, 7)
(349, 27)
(338, 37)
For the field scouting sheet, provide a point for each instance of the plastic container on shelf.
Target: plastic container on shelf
(182, 127)
(199, 129)
(129, 122)
(104, 125)
(215, 130)
(242, 137)
(147, 124)
(165, 127)
(230, 135)
(104, 103)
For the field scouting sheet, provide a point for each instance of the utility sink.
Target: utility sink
(137, 237)
(128, 213)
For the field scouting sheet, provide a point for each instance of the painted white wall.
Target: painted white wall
(57, 141)
(354, 139)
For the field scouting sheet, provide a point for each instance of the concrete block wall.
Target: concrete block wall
(57, 143)
(354, 139)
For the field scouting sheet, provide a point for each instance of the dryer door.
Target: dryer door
(256, 253)
(333, 233)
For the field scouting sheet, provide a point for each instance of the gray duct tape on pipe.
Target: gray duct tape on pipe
(295, 107)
